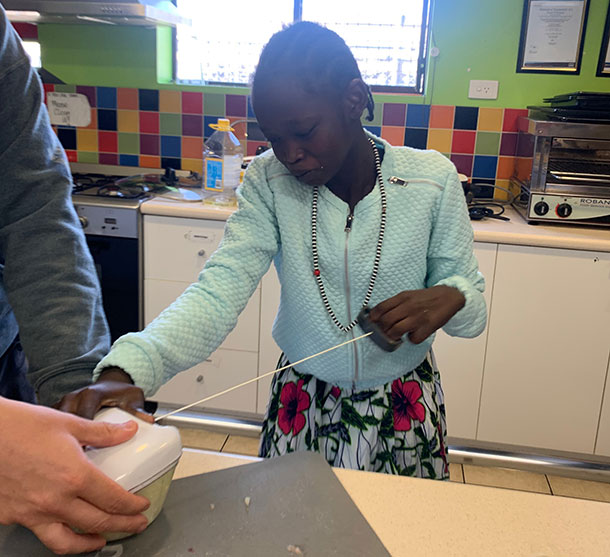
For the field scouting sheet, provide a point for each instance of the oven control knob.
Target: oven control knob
(564, 210)
(84, 221)
(541, 208)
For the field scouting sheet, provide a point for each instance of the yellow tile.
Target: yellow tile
(238, 444)
(440, 140)
(86, 140)
(505, 477)
(169, 101)
(501, 195)
(195, 165)
(582, 489)
(127, 121)
(490, 119)
(202, 439)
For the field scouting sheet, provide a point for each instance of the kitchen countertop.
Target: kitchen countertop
(446, 518)
(516, 231)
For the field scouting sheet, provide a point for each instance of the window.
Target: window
(388, 38)
(32, 49)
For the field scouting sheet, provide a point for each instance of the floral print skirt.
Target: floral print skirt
(397, 428)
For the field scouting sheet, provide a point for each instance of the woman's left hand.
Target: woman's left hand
(417, 312)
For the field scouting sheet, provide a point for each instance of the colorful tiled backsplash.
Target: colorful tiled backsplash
(159, 128)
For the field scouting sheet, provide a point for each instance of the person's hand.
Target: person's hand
(47, 484)
(113, 388)
(417, 312)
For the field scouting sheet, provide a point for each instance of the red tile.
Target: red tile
(192, 102)
(149, 122)
(252, 146)
(107, 142)
(71, 154)
(127, 99)
(463, 141)
(510, 118)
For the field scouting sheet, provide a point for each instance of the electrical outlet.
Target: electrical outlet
(481, 89)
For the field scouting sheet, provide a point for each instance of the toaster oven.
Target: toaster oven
(562, 172)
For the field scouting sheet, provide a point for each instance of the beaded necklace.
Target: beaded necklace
(314, 246)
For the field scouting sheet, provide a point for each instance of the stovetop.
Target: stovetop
(104, 190)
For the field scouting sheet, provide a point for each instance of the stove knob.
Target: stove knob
(84, 221)
(564, 210)
(541, 208)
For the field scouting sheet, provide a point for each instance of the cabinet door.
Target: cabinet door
(221, 370)
(158, 294)
(269, 352)
(461, 361)
(547, 348)
(176, 248)
(602, 446)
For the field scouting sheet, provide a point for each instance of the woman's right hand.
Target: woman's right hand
(113, 388)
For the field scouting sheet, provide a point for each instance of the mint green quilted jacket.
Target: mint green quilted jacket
(428, 241)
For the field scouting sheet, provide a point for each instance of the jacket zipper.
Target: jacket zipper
(348, 228)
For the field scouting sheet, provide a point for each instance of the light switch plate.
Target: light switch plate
(482, 89)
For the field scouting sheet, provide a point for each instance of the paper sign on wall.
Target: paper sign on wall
(69, 109)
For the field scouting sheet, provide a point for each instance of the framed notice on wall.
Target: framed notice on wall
(603, 66)
(552, 36)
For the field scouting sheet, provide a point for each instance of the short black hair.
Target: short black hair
(315, 55)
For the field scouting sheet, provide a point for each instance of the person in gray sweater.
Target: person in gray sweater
(52, 333)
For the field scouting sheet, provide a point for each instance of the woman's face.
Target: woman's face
(308, 132)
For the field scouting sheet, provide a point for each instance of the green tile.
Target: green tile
(488, 143)
(377, 115)
(448, 155)
(84, 156)
(213, 104)
(129, 143)
(170, 124)
(63, 88)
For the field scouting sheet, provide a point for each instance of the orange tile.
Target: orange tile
(128, 121)
(440, 140)
(86, 140)
(523, 168)
(169, 101)
(148, 161)
(394, 135)
(195, 165)
(192, 147)
(506, 168)
(93, 124)
(490, 119)
(240, 130)
(441, 116)
(127, 99)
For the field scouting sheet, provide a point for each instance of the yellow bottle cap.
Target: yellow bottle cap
(223, 125)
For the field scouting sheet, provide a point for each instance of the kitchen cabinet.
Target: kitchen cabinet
(547, 348)
(461, 361)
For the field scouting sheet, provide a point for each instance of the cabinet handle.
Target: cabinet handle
(201, 252)
(200, 379)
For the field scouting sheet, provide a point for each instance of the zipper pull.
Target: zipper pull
(348, 223)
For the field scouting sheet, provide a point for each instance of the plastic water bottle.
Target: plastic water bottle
(222, 159)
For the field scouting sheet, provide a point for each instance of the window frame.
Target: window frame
(422, 59)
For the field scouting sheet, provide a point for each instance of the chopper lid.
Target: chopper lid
(141, 460)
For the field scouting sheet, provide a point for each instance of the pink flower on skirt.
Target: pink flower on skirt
(335, 392)
(295, 400)
(406, 405)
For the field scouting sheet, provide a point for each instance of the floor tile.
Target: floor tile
(238, 444)
(202, 439)
(507, 478)
(456, 473)
(582, 489)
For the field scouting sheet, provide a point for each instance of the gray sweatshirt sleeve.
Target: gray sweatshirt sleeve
(48, 280)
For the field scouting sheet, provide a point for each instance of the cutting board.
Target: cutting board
(295, 500)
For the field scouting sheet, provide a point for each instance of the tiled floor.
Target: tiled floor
(467, 473)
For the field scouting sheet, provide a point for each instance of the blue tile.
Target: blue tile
(484, 166)
(418, 115)
(171, 162)
(416, 137)
(483, 188)
(250, 111)
(375, 130)
(255, 133)
(207, 120)
(466, 117)
(67, 137)
(129, 160)
(149, 99)
(170, 146)
(106, 97)
(106, 119)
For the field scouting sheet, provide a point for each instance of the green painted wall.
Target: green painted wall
(477, 39)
